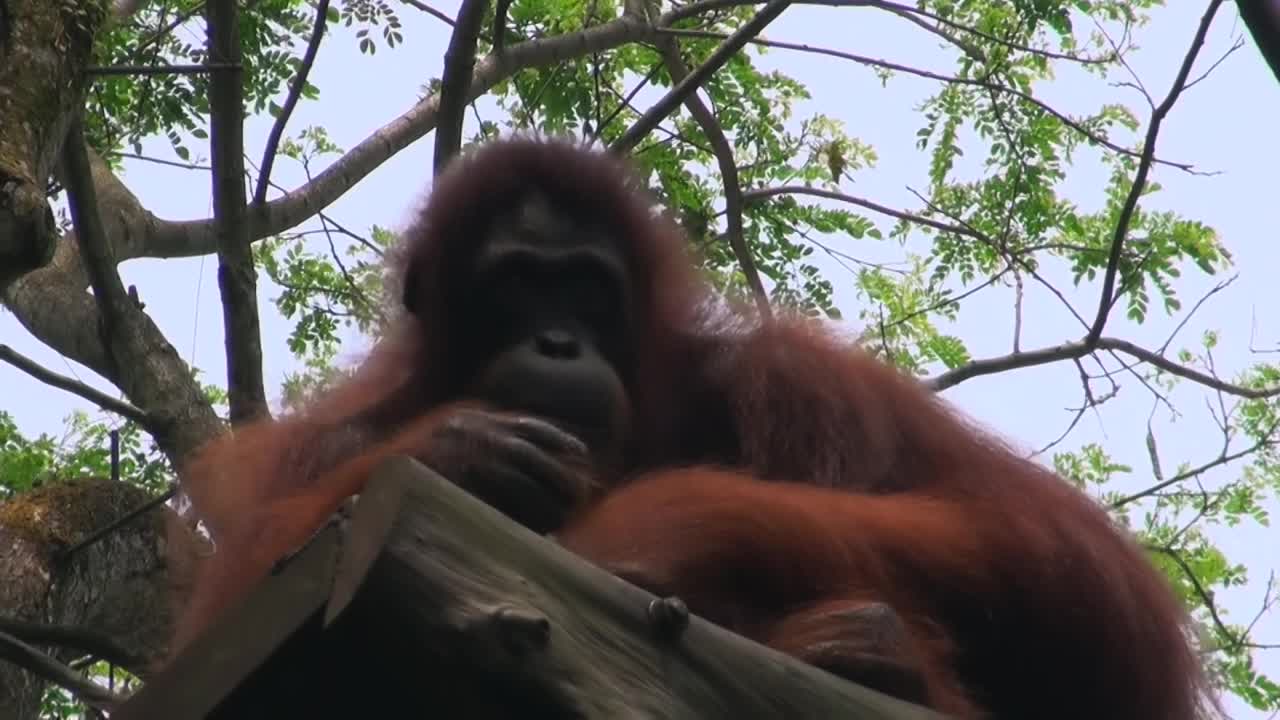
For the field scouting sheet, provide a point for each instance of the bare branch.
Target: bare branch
(83, 639)
(703, 6)
(100, 262)
(918, 18)
(52, 304)
(1224, 458)
(1109, 297)
(237, 277)
(727, 49)
(73, 386)
(442, 17)
(290, 102)
(1073, 350)
(758, 194)
(911, 13)
(951, 79)
(625, 102)
(1236, 45)
(1194, 309)
(160, 34)
(104, 70)
(29, 658)
(500, 25)
(455, 81)
(153, 237)
(113, 526)
(728, 174)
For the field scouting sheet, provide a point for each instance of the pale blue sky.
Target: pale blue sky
(1226, 124)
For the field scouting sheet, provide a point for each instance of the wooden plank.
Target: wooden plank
(437, 605)
(486, 598)
(241, 640)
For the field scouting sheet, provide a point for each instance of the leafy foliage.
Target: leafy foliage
(992, 214)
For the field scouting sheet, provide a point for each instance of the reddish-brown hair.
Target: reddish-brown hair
(774, 476)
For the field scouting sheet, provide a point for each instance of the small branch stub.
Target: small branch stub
(522, 632)
(670, 616)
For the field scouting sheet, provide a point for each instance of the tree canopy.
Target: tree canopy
(1002, 198)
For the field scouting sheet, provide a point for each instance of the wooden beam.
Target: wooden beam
(440, 606)
(221, 659)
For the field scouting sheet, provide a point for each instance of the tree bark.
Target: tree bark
(44, 49)
(118, 587)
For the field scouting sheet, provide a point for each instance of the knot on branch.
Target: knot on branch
(519, 631)
(669, 616)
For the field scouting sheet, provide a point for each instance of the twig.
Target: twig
(159, 34)
(1205, 595)
(161, 161)
(1239, 43)
(1194, 308)
(917, 18)
(906, 11)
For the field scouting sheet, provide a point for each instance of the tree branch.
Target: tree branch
(166, 239)
(1073, 350)
(237, 277)
(760, 194)
(290, 102)
(499, 39)
(930, 75)
(455, 81)
(29, 658)
(695, 79)
(728, 165)
(1109, 296)
(73, 386)
(134, 354)
(1224, 458)
(916, 15)
(100, 262)
(83, 639)
(137, 70)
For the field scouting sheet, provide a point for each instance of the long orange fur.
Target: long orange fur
(775, 477)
